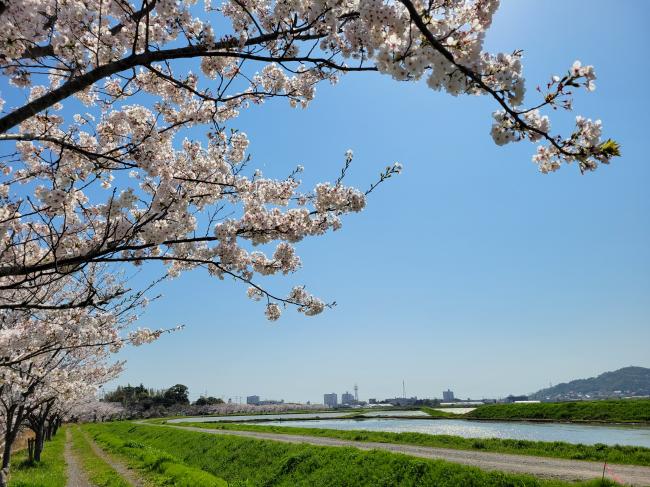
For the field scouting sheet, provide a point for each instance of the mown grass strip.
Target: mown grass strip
(157, 465)
(250, 462)
(99, 472)
(610, 411)
(630, 455)
(49, 472)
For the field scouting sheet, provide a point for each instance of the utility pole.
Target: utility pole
(403, 389)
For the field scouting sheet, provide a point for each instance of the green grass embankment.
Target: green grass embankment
(156, 464)
(245, 462)
(610, 411)
(436, 413)
(49, 472)
(98, 471)
(631, 455)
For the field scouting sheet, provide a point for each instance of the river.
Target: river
(324, 415)
(570, 433)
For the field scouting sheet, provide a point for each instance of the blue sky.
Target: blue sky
(471, 270)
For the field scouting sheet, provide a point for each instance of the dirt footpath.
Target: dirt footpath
(76, 476)
(554, 468)
(126, 473)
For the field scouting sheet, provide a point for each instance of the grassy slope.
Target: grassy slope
(624, 411)
(156, 465)
(248, 462)
(435, 413)
(613, 454)
(50, 472)
(99, 472)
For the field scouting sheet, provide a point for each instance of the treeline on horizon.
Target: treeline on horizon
(144, 398)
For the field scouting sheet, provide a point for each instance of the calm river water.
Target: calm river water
(213, 419)
(570, 433)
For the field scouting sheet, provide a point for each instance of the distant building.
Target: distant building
(331, 400)
(347, 399)
(254, 400)
(372, 400)
(512, 398)
(402, 401)
(448, 395)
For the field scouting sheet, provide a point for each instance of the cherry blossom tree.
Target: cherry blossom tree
(118, 180)
(47, 327)
(36, 391)
(89, 408)
(52, 357)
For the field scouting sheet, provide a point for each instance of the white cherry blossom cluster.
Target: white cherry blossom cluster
(272, 312)
(505, 129)
(586, 145)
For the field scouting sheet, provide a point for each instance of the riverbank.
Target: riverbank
(607, 412)
(257, 461)
(620, 411)
(630, 455)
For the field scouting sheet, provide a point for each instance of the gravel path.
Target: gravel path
(125, 472)
(539, 466)
(76, 476)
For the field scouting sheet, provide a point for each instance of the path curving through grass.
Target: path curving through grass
(544, 467)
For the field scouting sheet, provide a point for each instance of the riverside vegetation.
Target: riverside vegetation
(175, 457)
(631, 455)
(170, 456)
(239, 462)
(611, 411)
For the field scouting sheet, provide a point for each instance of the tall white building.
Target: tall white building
(448, 395)
(347, 398)
(331, 400)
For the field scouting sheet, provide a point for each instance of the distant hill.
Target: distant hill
(628, 381)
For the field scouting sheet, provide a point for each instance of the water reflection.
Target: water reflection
(570, 433)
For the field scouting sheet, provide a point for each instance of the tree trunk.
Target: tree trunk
(13, 418)
(6, 461)
(30, 449)
(38, 442)
(48, 430)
